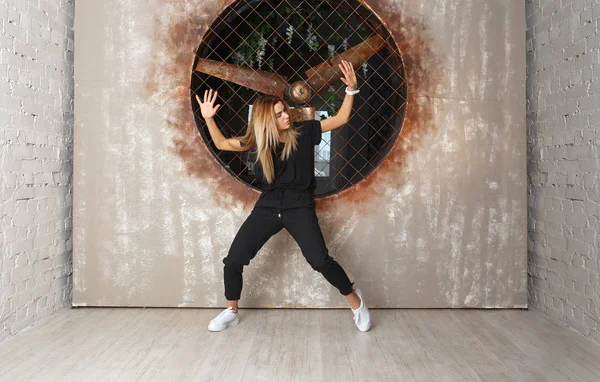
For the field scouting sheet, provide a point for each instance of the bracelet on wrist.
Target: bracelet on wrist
(352, 92)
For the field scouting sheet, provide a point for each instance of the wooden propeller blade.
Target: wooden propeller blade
(325, 74)
(264, 82)
(302, 113)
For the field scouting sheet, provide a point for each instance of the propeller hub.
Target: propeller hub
(300, 92)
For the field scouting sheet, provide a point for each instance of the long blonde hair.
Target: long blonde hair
(263, 134)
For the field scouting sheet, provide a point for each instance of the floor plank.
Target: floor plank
(131, 344)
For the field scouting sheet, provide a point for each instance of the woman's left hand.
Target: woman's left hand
(349, 76)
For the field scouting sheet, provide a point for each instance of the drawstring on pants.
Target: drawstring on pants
(281, 192)
(281, 199)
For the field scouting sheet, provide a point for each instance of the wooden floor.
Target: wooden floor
(130, 344)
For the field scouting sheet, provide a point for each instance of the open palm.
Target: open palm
(207, 107)
(349, 75)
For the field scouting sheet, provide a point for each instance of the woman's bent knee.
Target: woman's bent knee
(235, 260)
(322, 263)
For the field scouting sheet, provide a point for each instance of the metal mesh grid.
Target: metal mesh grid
(288, 38)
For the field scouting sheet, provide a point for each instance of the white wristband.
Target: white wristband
(352, 92)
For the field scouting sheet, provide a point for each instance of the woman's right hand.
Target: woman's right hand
(206, 108)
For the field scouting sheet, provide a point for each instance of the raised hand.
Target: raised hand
(349, 76)
(206, 108)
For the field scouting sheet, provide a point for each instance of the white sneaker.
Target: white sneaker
(362, 317)
(224, 320)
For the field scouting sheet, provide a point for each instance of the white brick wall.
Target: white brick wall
(563, 123)
(36, 134)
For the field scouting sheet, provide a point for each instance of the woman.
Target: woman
(285, 174)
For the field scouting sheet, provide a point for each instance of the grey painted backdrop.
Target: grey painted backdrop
(442, 223)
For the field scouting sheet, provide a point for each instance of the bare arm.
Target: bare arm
(208, 112)
(343, 115)
(222, 143)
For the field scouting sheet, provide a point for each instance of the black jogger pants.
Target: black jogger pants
(264, 222)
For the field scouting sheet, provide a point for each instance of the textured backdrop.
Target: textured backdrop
(441, 223)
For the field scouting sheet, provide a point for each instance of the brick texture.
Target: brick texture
(563, 128)
(36, 135)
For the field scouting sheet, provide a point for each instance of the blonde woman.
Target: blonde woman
(285, 175)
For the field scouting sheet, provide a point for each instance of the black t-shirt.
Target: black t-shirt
(298, 171)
